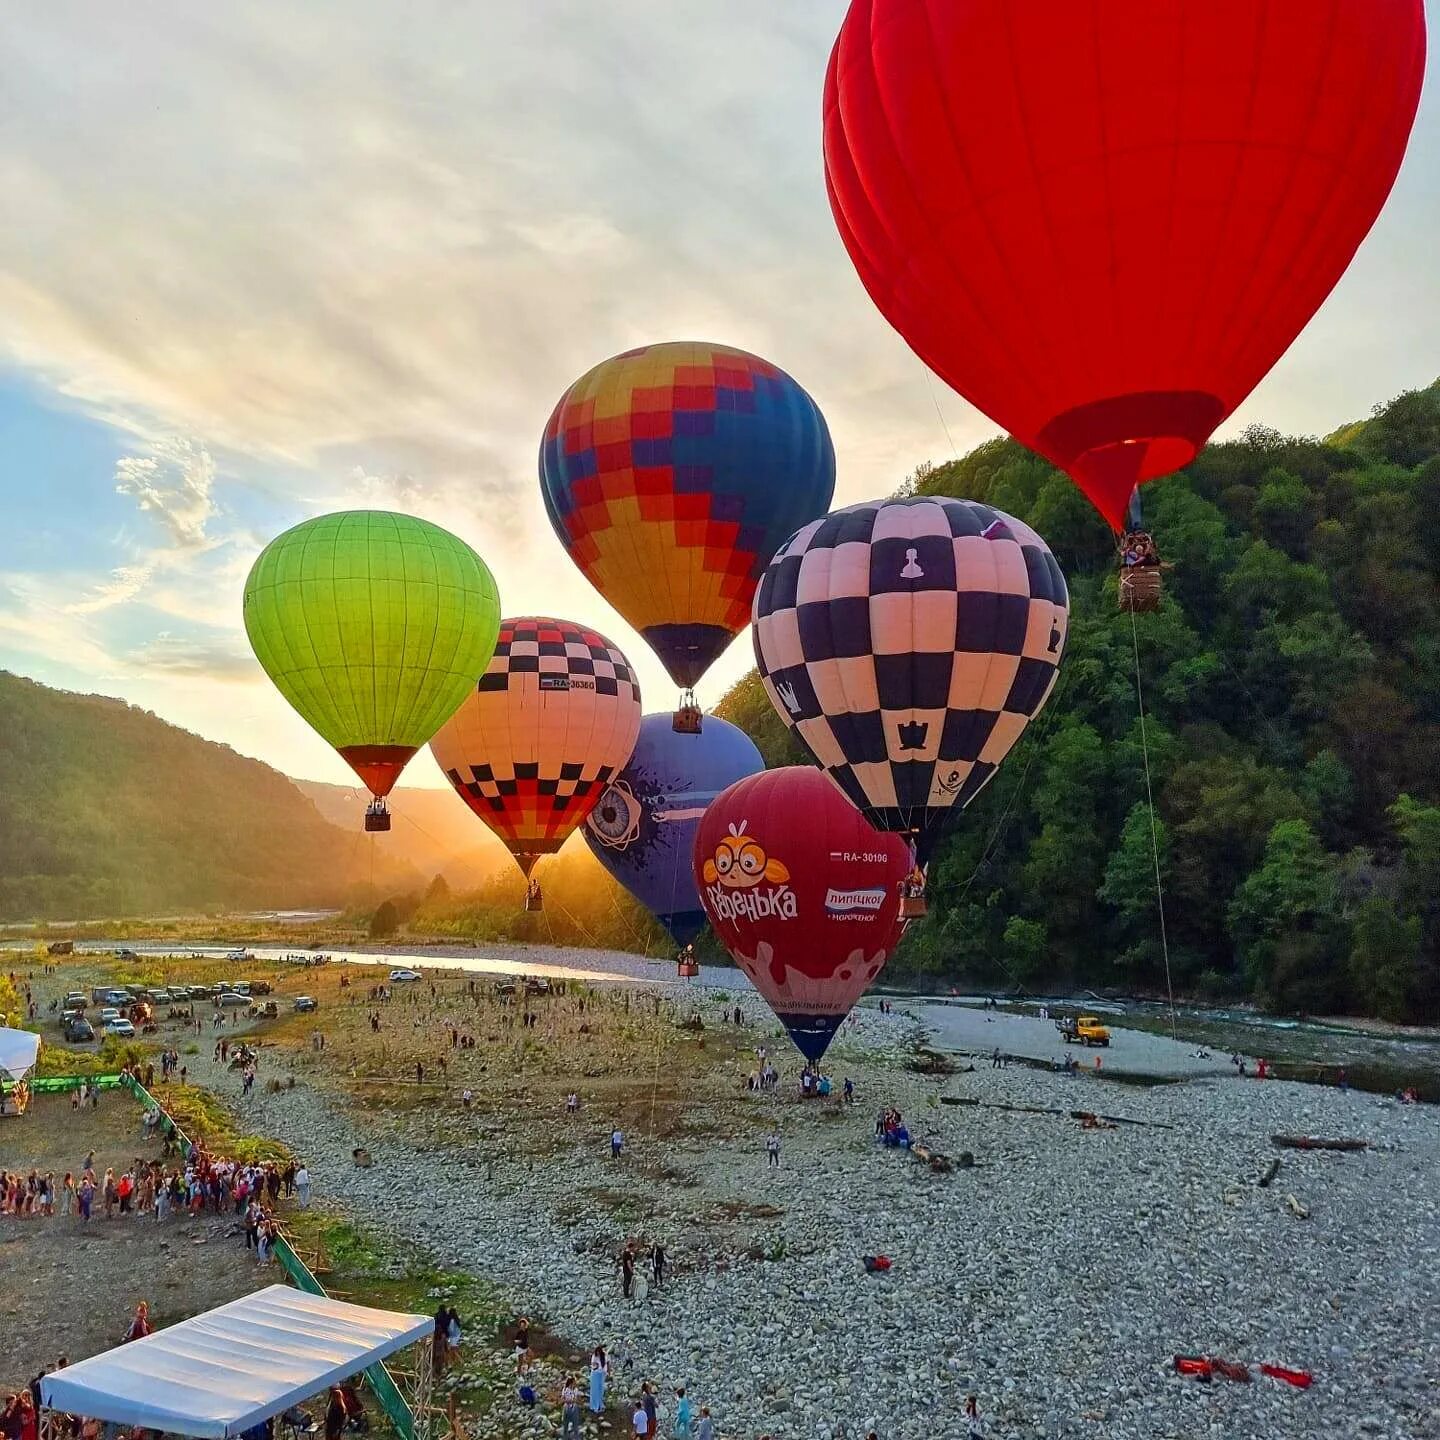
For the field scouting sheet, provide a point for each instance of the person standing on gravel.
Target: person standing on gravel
(570, 1410)
(617, 1142)
(641, 1422)
(974, 1425)
(772, 1150)
(627, 1270)
(302, 1186)
(657, 1263)
(705, 1430)
(599, 1368)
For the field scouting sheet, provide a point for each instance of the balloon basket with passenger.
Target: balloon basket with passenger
(377, 816)
(1140, 586)
(687, 719)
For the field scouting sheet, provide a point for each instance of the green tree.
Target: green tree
(1385, 959)
(1025, 946)
(1283, 918)
(385, 921)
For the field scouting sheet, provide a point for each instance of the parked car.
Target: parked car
(404, 976)
(241, 987)
(76, 1000)
(121, 1027)
(117, 997)
(78, 1030)
(306, 1003)
(231, 997)
(123, 954)
(266, 1010)
(162, 997)
(109, 1013)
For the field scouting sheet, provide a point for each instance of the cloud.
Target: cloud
(219, 659)
(358, 264)
(174, 482)
(124, 584)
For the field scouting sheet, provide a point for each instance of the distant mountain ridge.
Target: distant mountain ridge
(433, 830)
(107, 811)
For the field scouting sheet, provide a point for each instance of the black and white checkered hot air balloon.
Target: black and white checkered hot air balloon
(908, 643)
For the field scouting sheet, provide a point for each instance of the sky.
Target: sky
(264, 261)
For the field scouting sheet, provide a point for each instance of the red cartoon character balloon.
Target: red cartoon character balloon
(803, 894)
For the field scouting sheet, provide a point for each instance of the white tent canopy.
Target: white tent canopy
(18, 1050)
(223, 1372)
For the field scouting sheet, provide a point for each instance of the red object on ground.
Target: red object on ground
(1196, 1365)
(803, 893)
(1230, 1369)
(1300, 1379)
(1102, 224)
(876, 1262)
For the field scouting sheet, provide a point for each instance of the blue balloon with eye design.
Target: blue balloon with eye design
(642, 830)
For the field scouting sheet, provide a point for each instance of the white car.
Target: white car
(121, 1027)
(399, 976)
(110, 1013)
(231, 997)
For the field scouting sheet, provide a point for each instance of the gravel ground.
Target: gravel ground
(1056, 1279)
(968, 1030)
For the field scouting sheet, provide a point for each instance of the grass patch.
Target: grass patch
(204, 1118)
(361, 1265)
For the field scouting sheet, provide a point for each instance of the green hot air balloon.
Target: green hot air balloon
(375, 627)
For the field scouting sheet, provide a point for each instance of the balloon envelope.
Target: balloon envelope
(803, 893)
(1102, 224)
(671, 474)
(908, 643)
(643, 828)
(543, 732)
(374, 627)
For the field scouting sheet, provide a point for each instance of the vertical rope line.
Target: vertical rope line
(1154, 836)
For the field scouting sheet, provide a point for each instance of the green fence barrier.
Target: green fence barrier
(382, 1383)
(168, 1128)
(63, 1084)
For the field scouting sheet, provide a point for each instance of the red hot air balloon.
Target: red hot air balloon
(1103, 224)
(803, 894)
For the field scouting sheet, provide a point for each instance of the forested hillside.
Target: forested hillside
(106, 811)
(1292, 687)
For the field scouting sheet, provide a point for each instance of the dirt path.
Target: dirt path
(67, 1288)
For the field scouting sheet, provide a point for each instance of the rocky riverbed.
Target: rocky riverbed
(1056, 1279)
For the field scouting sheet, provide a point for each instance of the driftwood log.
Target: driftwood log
(1310, 1142)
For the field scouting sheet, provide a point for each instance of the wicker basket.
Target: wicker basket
(1140, 588)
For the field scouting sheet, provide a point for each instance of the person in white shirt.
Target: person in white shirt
(302, 1187)
(641, 1421)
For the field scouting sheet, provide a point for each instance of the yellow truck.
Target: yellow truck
(1086, 1030)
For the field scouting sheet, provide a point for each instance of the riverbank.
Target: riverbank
(966, 1030)
(1055, 1279)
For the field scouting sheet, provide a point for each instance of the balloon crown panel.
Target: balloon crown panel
(671, 474)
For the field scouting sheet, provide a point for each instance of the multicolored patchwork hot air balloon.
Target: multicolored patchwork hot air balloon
(544, 731)
(672, 474)
(374, 627)
(909, 643)
(643, 828)
(1103, 224)
(803, 894)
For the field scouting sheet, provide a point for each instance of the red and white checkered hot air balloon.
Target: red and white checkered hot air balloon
(908, 643)
(547, 727)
